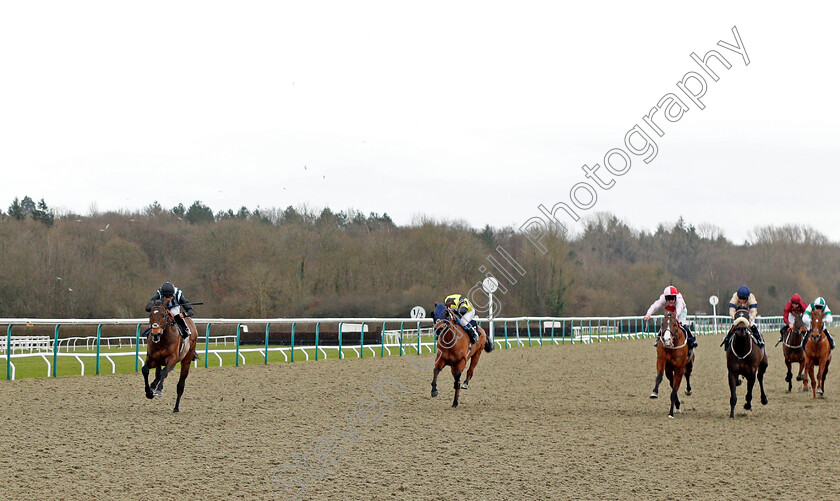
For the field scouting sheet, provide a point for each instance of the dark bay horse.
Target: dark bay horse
(673, 358)
(163, 350)
(793, 352)
(744, 358)
(817, 352)
(453, 345)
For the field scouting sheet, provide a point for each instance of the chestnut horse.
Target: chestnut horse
(817, 352)
(673, 358)
(163, 350)
(792, 349)
(453, 345)
(744, 358)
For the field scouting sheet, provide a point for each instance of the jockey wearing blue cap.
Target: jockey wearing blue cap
(743, 299)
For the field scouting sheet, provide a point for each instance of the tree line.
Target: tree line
(300, 263)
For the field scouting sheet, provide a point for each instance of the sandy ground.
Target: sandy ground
(562, 422)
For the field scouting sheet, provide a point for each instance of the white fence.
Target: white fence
(413, 334)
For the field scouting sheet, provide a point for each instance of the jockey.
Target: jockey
(793, 308)
(174, 298)
(465, 312)
(743, 299)
(818, 304)
(673, 301)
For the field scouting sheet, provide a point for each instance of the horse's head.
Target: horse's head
(741, 323)
(670, 329)
(816, 324)
(159, 319)
(798, 330)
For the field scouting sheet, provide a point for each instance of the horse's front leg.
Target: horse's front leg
(145, 371)
(170, 364)
(457, 370)
(733, 398)
(660, 370)
(821, 377)
(811, 376)
(761, 369)
(789, 377)
(156, 381)
(675, 388)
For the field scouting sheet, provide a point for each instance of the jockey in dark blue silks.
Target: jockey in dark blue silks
(174, 299)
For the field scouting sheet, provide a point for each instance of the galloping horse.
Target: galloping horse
(673, 358)
(817, 352)
(453, 345)
(792, 349)
(744, 358)
(164, 350)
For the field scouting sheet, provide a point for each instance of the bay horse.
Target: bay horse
(793, 351)
(164, 350)
(817, 352)
(453, 345)
(744, 358)
(673, 358)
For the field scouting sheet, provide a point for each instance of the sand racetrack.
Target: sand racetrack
(553, 422)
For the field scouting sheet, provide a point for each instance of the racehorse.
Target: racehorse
(744, 358)
(164, 350)
(817, 352)
(792, 349)
(673, 358)
(453, 345)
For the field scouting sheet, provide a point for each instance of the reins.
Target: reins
(732, 348)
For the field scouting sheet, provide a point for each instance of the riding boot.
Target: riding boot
(757, 335)
(692, 342)
(726, 340)
(182, 326)
(656, 343)
(830, 340)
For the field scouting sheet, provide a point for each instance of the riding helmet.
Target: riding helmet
(796, 298)
(670, 291)
(819, 302)
(167, 289)
(743, 292)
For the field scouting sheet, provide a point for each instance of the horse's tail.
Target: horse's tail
(488, 345)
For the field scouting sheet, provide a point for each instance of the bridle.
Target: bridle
(672, 320)
(156, 329)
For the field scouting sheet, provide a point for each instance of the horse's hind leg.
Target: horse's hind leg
(163, 374)
(761, 369)
(812, 378)
(473, 363)
(675, 388)
(457, 369)
(748, 396)
(145, 371)
(156, 382)
(438, 367)
(185, 371)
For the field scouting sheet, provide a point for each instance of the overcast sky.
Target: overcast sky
(461, 110)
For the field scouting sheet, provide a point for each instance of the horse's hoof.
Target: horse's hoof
(738, 382)
(799, 378)
(819, 392)
(158, 393)
(150, 395)
(654, 395)
(175, 410)
(434, 393)
(454, 404)
(688, 392)
(465, 386)
(748, 406)
(764, 400)
(670, 416)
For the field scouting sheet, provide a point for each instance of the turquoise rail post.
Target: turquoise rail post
(98, 343)
(402, 328)
(506, 337)
(238, 326)
(293, 341)
(137, 349)
(206, 344)
(552, 331)
(528, 324)
(362, 342)
(340, 354)
(382, 339)
(55, 352)
(266, 341)
(317, 337)
(9, 353)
